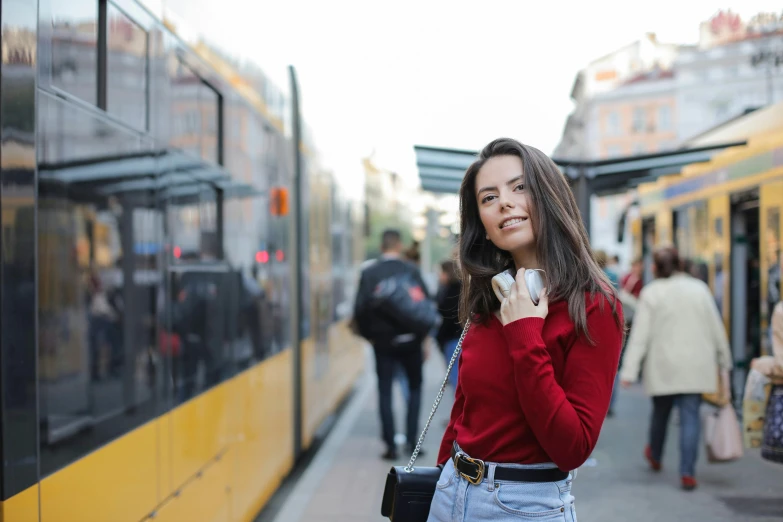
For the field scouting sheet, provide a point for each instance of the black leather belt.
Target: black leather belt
(473, 470)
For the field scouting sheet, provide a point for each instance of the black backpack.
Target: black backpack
(401, 298)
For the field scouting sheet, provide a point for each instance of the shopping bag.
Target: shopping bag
(772, 445)
(754, 404)
(722, 435)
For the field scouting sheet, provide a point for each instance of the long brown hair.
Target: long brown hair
(563, 247)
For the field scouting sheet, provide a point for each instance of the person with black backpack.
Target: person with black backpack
(394, 312)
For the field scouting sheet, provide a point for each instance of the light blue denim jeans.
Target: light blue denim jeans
(457, 500)
(448, 350)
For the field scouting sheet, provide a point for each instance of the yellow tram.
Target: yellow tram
(141, 175)
(726, 214)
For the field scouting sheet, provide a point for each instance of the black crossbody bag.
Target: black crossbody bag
(409, 491)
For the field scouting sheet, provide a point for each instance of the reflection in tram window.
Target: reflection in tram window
(126, 78)
(194, 112)
(203, 326)
(99, 270)
(192, 222)
(256, 242)
(204, 305)
(96, 317)
(250, 249)
(74, 60)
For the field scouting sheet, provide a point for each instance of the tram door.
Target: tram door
(745, 284)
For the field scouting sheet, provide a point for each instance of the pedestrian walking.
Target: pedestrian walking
(679, 342)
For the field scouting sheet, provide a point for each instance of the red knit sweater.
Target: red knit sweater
(533, 391)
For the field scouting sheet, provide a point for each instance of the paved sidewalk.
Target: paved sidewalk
(344, 482)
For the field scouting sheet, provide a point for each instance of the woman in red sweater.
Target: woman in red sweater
(534, 380)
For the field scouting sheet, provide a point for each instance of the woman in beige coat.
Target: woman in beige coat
(679, 335)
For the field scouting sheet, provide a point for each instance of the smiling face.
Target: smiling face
(516, 207)
(504, 205)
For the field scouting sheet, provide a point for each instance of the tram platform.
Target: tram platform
(344, 480)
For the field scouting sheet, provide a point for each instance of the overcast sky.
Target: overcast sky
(384, 76)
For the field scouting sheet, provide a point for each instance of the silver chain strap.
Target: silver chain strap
(457, 350)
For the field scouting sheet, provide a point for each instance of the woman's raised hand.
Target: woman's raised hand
(519, 305)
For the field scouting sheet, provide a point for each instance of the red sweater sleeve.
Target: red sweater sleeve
(566, 418)
(449, 436)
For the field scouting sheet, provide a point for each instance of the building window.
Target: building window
(614, 151)
(639, 149)
(638, 119)
(613, 124)
(664, 118)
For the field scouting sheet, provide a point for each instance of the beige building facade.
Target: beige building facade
(637, 118)
(605, 76)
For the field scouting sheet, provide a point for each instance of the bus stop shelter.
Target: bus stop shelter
(441, 170)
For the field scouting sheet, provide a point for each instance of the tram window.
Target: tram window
(99, 273)
(195, 113)
(74, 60)
(185, 112)
(127, 59)
(204, 302)
(201, 321)
(192, 222)
(256, 250)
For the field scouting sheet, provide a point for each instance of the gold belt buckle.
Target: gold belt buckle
(479, 464)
